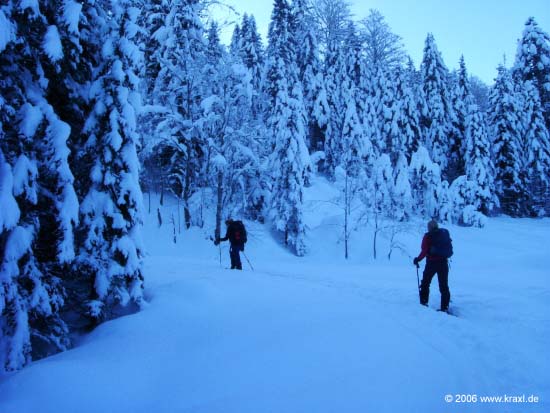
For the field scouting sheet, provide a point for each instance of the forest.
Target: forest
(105, 101)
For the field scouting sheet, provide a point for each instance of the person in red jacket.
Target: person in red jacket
(435, 264)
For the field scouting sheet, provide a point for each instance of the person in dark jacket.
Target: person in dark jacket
(236, 234)
(435, 264)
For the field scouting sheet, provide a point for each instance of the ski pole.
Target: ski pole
(216, 240)
(248, 261)
(418, 282)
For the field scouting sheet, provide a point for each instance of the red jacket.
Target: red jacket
(425, 249)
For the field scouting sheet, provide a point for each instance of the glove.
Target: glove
(415, 261)
(216, 241)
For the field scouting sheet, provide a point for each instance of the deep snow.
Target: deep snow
(313, 334)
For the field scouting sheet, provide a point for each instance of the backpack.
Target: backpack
(441, 244)
(239, 232)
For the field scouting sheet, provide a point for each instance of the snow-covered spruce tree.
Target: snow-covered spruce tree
(370, 109)
(355, 66)
(413, 77)
(533, 63)
(151, 21)
(67, 65)
(36, 235)
(14, 238)
(151, 30)
(112, 251)
(299, 19)
(252, 50)
(344, 89)
(479, 167)
(425, 180)
(480, 93)
(401, 209)
(388, 111)
(289, 162)
(235, 47)
(289, 165)
(179, 90)
(404, 130)
(378, 95)
(335, 77)
(310, 75)
(249, 51)
(356, 150)
(472, 196)
(437, 114)
(536, 150)
(462, 100)
(506, 129)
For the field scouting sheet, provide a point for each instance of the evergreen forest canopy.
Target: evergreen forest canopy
(103, 99)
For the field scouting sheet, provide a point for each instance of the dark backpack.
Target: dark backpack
(441, 245)
(239, 232)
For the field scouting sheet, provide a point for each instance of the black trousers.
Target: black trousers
(441, 268)
(234, 250)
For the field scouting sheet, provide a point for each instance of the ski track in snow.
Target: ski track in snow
(316, 334)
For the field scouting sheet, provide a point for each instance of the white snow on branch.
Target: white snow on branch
(52, 44)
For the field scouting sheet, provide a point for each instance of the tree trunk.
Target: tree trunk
(346, 219)
(219, 206)
(375, 232)
(186, 196)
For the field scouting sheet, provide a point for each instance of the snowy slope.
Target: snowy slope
(313, 334)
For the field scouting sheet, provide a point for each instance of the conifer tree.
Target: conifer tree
(425, 180)
(36, 233)
(112, 208)
(151, 22)
(235, 47)
(251, 50)
(462, 100)
(533, 63)
(506, 128)
(405, 133)
(479, 167)
(536, 150)
(310, 75)
(371, 109)
(335, 77)
(289, 162)
(437, 114)
(401, 209)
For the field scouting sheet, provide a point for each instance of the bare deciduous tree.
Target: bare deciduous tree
(382, 46)
(332, 18)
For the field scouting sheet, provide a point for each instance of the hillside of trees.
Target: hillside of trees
(104, 100)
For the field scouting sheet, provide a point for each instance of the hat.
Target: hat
(432, 225)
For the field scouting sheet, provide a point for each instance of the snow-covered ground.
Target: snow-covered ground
(313, 334)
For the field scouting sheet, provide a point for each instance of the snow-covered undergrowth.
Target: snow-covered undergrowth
(313, 334)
